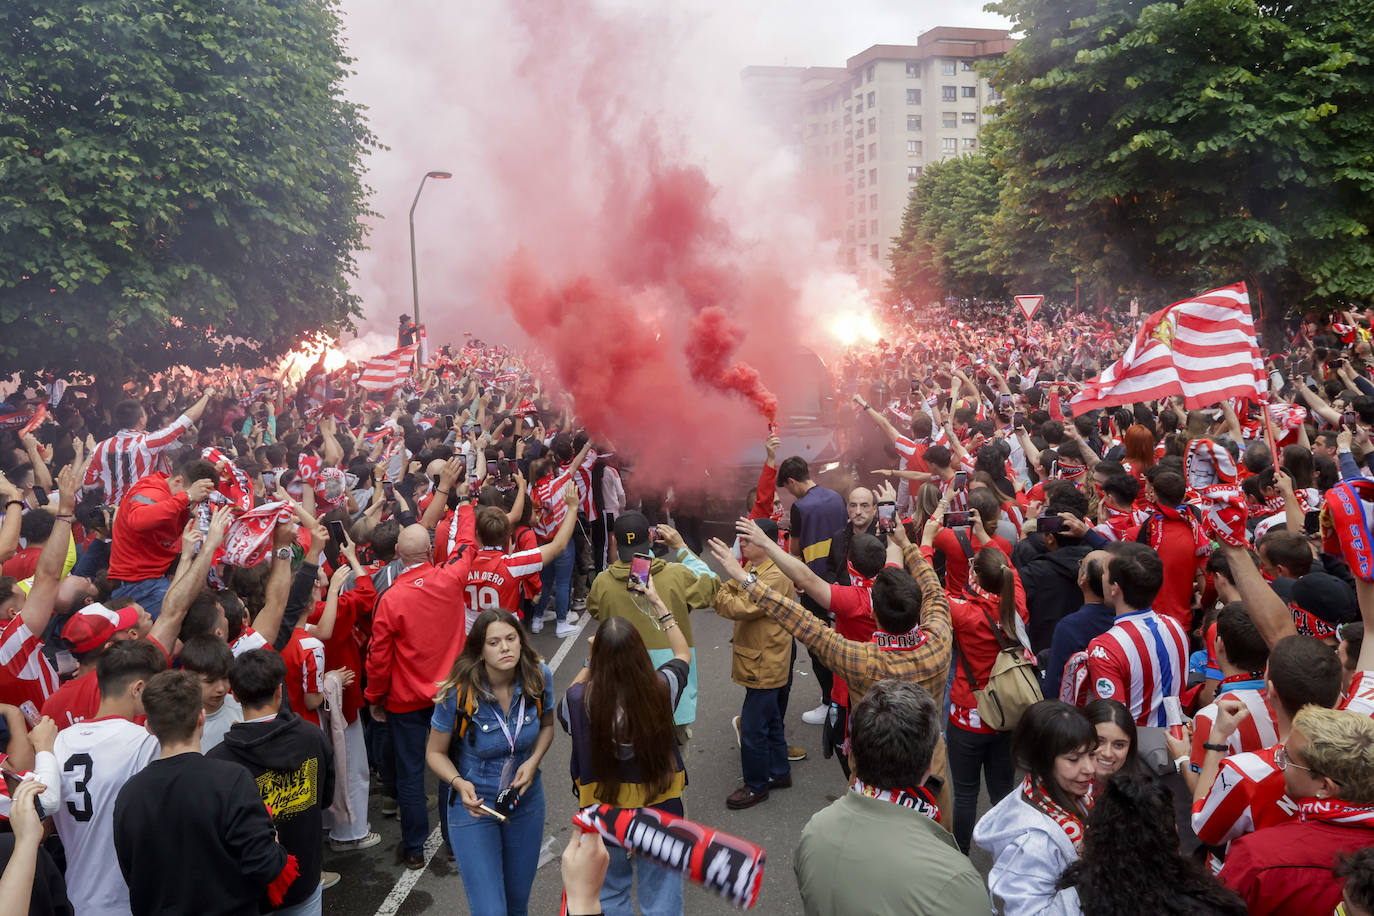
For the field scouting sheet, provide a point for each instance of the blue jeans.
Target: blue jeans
(555, 583)
(762, 744)
(309, 907)
(497, 861)
(148, 593)
(409, 731)
(972, 755)
(659, 892)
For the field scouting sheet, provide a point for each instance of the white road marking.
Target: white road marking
(410, 877)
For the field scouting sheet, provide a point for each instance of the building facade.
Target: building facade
(866, 131)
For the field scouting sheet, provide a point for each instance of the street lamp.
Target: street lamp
(414, 274)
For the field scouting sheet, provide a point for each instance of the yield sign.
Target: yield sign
(1029, 305)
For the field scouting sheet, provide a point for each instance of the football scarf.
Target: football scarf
(1034, 794)
(919, 799)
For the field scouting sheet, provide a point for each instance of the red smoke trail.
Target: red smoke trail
(712, 339)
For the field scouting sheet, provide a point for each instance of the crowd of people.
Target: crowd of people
(235, 604)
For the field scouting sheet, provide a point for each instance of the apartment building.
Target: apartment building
(866, 131)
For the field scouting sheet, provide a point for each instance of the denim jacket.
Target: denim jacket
(482, 751)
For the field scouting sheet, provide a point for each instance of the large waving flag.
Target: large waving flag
(1202, 348)
(382, 373)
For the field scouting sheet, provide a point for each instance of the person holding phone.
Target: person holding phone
(619, 713)
(491, 727)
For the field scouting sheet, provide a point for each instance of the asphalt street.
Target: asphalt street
(372, 884)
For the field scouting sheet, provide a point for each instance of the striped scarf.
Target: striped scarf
(1336, 811)
(1034, 794)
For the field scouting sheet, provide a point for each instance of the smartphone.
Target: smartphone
(956, 519)
(1005, 400)
(1350, 418)
(336, 532)
(639, 573)
(961, 480)
(1018, 420)
(228, 443)
(492, 812)
(887, 517)
(269, 481)
(388, 490)
(1049, 524)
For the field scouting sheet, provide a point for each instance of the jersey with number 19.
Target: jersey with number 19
(494, 579)
(96, 757)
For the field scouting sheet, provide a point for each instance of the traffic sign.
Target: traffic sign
(1029, 305)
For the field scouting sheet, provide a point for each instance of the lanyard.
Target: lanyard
(519, 724)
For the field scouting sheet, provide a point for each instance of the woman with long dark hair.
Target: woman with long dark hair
(1116, 738)
(492, 725)
(619, 712)
(1035, 832)
(1130, 861)
(984, 620)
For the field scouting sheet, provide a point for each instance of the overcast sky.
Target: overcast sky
(445, 89)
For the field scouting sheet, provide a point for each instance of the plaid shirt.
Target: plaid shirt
(861, 664)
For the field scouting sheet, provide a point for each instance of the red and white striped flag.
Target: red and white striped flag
(1202, 348)
(382, 373)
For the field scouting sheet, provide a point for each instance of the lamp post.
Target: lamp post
(414, 273)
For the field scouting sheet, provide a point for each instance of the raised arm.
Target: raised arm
(186, 587)
(517, 508)
(13, 509)
(666, 622)
(550, 551)
(792, 567)
(1271, 616)
(448, 478)
(47, 575)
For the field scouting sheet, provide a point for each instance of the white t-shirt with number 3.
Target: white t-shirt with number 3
(96, 757)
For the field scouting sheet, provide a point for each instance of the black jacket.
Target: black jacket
(293, 764)
(1050, 579)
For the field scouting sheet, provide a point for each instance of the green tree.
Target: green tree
(943, 249)
(179, 182)
(1158, 148)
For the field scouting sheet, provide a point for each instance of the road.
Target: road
(372, 884)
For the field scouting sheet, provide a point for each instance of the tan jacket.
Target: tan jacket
(763, 649)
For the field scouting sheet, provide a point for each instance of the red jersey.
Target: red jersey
(1255, 732)
(119, 462)
(75, 701)
(25, 672)
(852, 606)
(1360, 699)
(417, 632)
(343, 649)
(1140, 661)
(495, 579)
(458, 528)
(957, 561)
(976, 641)
(913, 452)
(1249, 794)
(22, 565)
(549, 505)
(1178, 551)
(147, 530)
(304, 657)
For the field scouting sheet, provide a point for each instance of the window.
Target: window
(913, 96)
(949, 119)
(968, 117)
(872, 176)
(860, 156)
(966, 92)
(873, 250)
(994, 95)
(913, 172)
(873, 201)
(966, 66)
(873, 229)
(872, 125)
(872, 151)
(858, 103)
(913, 147)
(949, 93)
(949, 144)
(869, 74)
(861, 207)
(913, 70)
(872, 96)
(861, 230)
(947, 67)
(913, 122)
(969, 143)
(858, 133)
(860, 182)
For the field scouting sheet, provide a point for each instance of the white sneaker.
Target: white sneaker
(572, 617)
(565, 629)
(550, 615)
(816, 716)
(536, 624)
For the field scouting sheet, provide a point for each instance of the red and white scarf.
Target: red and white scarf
(919, 799)
(900, 642)
(1034, 794)
(1335, 811)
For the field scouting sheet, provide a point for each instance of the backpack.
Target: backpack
(467, 705)
(1012, 686)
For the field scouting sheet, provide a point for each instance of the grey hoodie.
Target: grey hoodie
(1030, 851)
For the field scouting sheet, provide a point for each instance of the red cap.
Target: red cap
(94, 625)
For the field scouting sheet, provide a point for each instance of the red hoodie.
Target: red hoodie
(1286, 870)
(417, 632)
(147, 530)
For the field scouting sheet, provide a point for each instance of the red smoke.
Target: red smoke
(713, 339)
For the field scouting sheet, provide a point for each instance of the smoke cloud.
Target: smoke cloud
(615, 203)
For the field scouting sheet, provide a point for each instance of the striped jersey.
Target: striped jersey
(1141, 660)
(128, 456)
(304, 658)
(1361, 696)
(583, 478)
(25, 672)
(1249, 794)
(458, 528)
(1256, 731)
(495, 577)
(914, 452)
